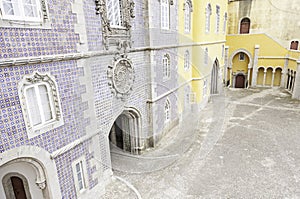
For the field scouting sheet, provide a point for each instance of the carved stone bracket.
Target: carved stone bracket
(121, 76)
(112, 36)
(41, 185)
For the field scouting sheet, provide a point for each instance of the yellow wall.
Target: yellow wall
(238, 65)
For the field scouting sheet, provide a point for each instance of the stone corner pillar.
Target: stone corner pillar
(254, 67)
(296, 93)
(226, 65)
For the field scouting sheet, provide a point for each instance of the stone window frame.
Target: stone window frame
(242, 56)
(166, 66)
(165, 22)
(42, 22)
(119, 37)
(57, 120)
(218, 8)
(167, 111)
(208, 13)
(81, 160)
(186, 60)
(188, 9)
(225, 22)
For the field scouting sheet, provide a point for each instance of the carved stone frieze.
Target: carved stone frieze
(112, 36)
(121, 76)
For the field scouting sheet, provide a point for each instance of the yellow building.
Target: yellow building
(201, 55)
(260, 52)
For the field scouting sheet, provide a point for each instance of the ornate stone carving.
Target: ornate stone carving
(112, 35)
(121, 76)
(44, 9)
(41, 185)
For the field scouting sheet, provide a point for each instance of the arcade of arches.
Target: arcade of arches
(269, 76)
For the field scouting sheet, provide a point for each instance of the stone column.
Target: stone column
(293, 83)
(265, 74)
(248, 76)
(273, 74)
(226, 64)
(296, 93)
(255, 61)
(284, 73)
(231, 78)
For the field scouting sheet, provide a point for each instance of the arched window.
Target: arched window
(294, 45)
(217, 19)
(187, 60)
(207, 16)
(40, 104)
(165, 14)
(29, 10)
(245, 26)
(187, 16)
(167, 111)
(166, 66)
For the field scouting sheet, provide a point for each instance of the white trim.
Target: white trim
(84, 175)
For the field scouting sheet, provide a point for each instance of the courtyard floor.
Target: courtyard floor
(244, 144)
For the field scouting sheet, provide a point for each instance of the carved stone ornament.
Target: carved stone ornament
(111, 36)
(121, 77)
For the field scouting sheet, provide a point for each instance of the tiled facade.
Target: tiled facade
(74, 46)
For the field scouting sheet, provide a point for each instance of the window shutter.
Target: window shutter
(46, 107)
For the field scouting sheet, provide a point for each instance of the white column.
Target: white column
(296, 93)
(226, 64)
(265, 74)
(273, 74)
(248, 77)
(231, 78)
(255, 62)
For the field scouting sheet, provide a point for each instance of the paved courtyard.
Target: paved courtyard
(244, 144)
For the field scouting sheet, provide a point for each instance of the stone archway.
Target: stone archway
(125, 132)
(214, 83)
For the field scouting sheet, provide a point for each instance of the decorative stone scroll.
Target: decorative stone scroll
(121, 77)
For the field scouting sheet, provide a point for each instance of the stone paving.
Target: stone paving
(245, 145)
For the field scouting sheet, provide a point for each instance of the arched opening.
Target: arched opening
(291, 80)
(268, 81)
(277, 77)
(16, 186)
(125, 132)
(240, 81)
(214, 78)
(288, 79)
(245, 26)
(294, 45)
(260, 76)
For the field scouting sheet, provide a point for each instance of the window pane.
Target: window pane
(45, 102)
(30, 8)
(11, 7)
(34, 112)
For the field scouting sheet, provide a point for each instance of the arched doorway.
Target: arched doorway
(277, 77)
(214, 78)
(240, 81)
(16, 186)
(125, 132)
(268, 81)
(260, 76)
(291, 80)
(245, 26)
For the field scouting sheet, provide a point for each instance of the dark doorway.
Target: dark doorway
(240, 81)
(245, 26)
(214, 78)
(18, 187)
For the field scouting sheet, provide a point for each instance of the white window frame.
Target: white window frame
(84, 175)
(167, 110)
(34, 81)
(207, 18)
(166, 67)
(40, 104)
(187, 60)
(225, 23)
(165, 14)
(187, 18)
(110, 12)
(21, 16)
(217, 18)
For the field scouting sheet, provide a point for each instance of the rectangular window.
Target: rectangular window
(165, 14)
(114, 12)
(187, 18)
(217, 19)
(39, 103)
(25, 10)
(80, 175)
(242, 57)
